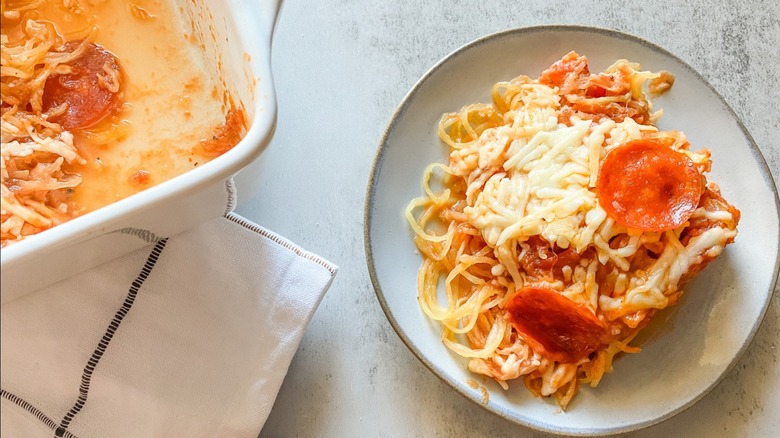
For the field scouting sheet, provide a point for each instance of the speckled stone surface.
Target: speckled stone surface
(341, 68)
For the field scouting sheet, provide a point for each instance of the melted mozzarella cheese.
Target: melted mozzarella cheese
(538, 177)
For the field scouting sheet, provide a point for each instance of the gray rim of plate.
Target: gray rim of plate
(378, 163)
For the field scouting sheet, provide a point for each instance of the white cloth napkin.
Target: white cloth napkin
(191, 336)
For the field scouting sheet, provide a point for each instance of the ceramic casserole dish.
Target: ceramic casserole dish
(235, 38)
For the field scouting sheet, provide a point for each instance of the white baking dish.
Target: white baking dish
(238, 34)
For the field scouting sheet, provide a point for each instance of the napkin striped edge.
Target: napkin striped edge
(281, 241)
(232, 200)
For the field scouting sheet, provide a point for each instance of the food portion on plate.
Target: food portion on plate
(563, 221)
(101, 100)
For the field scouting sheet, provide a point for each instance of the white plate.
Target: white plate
(699, 341)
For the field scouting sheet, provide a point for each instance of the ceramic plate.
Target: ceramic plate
(689, 348)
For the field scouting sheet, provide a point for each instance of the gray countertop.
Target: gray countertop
(341, 68)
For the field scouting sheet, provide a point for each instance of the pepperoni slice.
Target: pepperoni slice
(554, 325)
(85, 88)
(647, 185)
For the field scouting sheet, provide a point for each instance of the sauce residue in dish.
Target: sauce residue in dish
(122, 89)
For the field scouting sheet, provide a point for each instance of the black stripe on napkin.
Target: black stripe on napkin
(86, 377)
(33, 410)
(146, 235)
